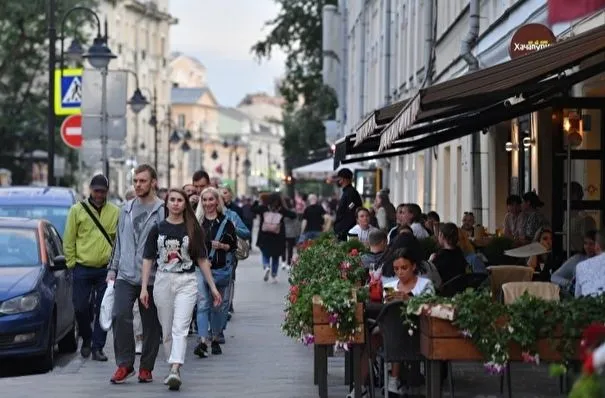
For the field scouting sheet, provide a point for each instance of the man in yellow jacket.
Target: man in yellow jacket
(87, 242)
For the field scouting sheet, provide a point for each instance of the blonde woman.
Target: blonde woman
(221, 242)
(472, 258)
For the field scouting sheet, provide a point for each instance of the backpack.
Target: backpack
(271, 222)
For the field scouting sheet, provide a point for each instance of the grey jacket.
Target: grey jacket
(127, 258)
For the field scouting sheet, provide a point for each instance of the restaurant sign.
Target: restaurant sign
(530, 38)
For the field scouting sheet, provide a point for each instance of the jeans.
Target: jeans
(271, 261)
(175, 295)
(88, 290)
(207, 314)
(289, 250)
(309, 235)
(123, 332)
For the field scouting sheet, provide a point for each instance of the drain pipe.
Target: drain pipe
(387, 53)
(362, 62)
(468, 43)
(429, 47)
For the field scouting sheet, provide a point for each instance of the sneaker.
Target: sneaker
(122, 374)
(267, 273)
(229, 316)
(98, 355)
(145, 376)
(173, 380)
(274, 279)
(216, 348)
(394, 386)
(284, 266)
(221, 338)
(201, 350)
(364, 392)
(138, 347)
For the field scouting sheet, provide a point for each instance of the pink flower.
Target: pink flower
(345, 266)
(354, 252)
(308, 339)
(333, 318)
(494, 368)
(529, 358)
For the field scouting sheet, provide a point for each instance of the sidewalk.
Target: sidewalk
(257, 361)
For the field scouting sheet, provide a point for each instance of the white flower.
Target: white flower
(510, 329)
(410, 332)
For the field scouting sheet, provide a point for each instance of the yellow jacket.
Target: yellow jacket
(83, 243)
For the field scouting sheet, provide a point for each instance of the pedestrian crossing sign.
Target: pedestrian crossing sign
(68, 91)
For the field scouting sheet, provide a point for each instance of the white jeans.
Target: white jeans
(175, 295)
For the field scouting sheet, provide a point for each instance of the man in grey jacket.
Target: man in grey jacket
(137, 217)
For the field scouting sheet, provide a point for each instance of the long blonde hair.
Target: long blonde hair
(464, 242)
(220, 208)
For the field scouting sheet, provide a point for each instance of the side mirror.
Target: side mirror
(59, 263)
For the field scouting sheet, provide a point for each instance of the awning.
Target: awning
(469, 103)
(318, 170)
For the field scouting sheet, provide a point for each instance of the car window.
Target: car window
(18, 247)
(57, 239)
(57, 215)
(52, 250)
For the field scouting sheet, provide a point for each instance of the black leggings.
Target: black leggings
(288, 250)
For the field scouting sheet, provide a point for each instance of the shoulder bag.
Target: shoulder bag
(221, 276)
(97, 223)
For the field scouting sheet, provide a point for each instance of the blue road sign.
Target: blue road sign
(68, 91)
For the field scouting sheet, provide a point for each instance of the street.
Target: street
(258, 361)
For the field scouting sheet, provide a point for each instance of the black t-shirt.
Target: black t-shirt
(168, 244)
(314, 215)
(211, 228)
(450, 263)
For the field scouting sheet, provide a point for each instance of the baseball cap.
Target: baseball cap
(345, 173)
(99, 182)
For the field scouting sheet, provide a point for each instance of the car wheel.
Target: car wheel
(46, 362)
(69, 343)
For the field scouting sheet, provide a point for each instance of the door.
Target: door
(582, 169)
(62, 300)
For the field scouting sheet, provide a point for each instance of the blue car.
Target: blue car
(36, 308)
(49, 203)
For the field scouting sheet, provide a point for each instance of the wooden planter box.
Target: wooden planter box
(324, 333)
(440, 340)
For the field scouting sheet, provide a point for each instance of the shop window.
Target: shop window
(586, 179)
(587, 122)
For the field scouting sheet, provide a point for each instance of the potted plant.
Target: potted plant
(326, 281)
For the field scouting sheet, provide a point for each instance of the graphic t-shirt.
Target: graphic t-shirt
(168, 244)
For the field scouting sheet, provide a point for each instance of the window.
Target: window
(181, 121)
(18, 247)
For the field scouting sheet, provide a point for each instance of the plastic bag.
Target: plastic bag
(105, 314)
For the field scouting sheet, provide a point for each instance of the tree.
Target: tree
(23, 78)
(297, 30)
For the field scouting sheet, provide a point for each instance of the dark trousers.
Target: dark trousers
(88, 290)
(123, 334)
(288, 251)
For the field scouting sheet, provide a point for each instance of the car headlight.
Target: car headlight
(17, 305)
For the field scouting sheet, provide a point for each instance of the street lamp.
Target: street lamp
(99, 55)
(138, 101)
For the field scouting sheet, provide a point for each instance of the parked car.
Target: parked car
(36, 308)
(49, 203)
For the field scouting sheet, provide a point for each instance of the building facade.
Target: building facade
(139, 34)
(387, 46)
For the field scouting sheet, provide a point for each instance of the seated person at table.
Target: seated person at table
(472, 258)
(590, 274)
(362, 229)
(449, 260)
(378, 245)
(545, 264)
(408, 284)
(566, 275)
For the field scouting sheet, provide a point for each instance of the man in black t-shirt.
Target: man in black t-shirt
(349, 202)
(313, 219)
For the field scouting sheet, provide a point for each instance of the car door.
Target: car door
(63, 301)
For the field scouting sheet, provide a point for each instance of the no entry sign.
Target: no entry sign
(71, 131)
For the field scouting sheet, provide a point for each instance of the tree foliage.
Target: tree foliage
(297, 30)
(23, 76)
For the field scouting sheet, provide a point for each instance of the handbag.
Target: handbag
(97, 223)
(243, 249)
(105, 314)
(221, 276)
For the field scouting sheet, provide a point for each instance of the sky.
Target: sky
(219, 33)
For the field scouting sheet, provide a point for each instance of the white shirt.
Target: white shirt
(419, 231)
(590, 276)
(362, 234)
(423, 286)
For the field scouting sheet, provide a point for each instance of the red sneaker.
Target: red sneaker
(145, 376)
(121, 374)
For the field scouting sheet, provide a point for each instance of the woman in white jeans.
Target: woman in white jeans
(176, 245)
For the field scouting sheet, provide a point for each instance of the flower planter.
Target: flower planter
(440, 340)
(326, 334)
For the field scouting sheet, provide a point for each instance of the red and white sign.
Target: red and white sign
(71, 131)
